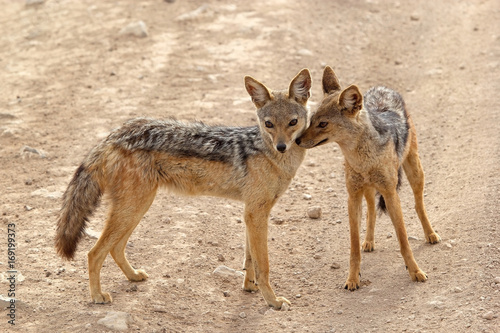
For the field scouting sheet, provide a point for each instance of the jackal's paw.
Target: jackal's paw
(102, 298)
(433, 238)
(368, 246)
(418, 276)
(139, 275)
(250, 286)
(278, 302)
(351, 284)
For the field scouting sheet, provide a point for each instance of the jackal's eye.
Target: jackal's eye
(293, 122)
(269, 124)
(323, 124)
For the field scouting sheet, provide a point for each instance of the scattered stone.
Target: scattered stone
(294, 228)
(47, 274)
(285, 307)
(488, 315)
(339, 221)
(28, 182)
(497, 279)
(335, 265)
(314, 212)
(28, 208)
(132, 288)
(34, 2)
(138, 29)
(226, 293)
(5, 301)
(298, 296)
(307, 197)
(221, 258)
(243, 315)
(116, 320)
(397, 62)
(329, 190)
(170, 1)
(28, 151)
(227, 272)
(448, 245)
(238, 220)
(317, 256)
(412, 238)
(389, 235)
(277, 220)
(414, 17)
(194, 14)
(457, 290)
(304, 52)
(92, 233)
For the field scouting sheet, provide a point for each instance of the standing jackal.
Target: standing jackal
(251, 164)
(378, 138)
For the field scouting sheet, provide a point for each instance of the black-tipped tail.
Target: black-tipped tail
(382, 208)
(79, 202)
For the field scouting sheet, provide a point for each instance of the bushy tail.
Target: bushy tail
(382, 208)
(79, 202)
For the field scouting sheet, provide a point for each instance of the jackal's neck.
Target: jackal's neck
(358, 149)
(287, 162)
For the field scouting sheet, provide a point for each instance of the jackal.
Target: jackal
(251, 164)
(378, 138)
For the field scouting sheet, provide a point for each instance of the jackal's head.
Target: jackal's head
(336, 117)
(283, 115)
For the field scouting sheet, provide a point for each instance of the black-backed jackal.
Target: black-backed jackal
(251, 164)
(378, 138)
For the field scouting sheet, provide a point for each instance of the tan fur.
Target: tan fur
(369, 167)
(130, 179)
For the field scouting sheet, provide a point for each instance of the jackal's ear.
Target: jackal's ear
(330, 81)
(259, 92)
(300, 87)
(351, 100)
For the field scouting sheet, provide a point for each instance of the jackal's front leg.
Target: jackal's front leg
(256, 220)
(250, 283)
(354, 207)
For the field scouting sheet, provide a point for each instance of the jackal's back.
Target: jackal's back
(214, 143)
(388, 115)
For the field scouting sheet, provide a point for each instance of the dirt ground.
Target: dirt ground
(68, 77)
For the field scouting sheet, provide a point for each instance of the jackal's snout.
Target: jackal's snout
(281, 147)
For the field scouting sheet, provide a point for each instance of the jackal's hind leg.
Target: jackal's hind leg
(415, 174)
(125, 212)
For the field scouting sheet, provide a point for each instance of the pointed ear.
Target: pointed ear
(300, 87)
(259, 92)
(330, 81)
(351, 100)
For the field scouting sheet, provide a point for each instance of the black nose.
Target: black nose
(281, 147)
(298, 141)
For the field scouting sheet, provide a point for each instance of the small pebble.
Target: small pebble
(285, 307)
(334, 266)
(307, 197)
(243, 315)
(221, 258)
(489, 315)
(497, 279)
(314, 212)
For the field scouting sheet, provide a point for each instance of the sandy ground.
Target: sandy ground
(68, 77)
